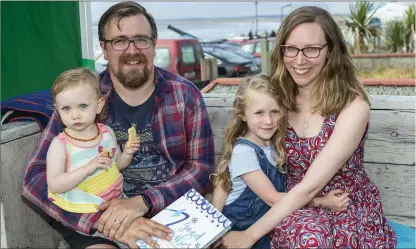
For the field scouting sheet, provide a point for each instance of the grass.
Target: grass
(389, 73)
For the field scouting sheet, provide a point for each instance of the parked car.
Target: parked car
(180, 56)
(234, 49)
(254, 46)
(231, 64)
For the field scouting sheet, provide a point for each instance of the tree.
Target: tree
(394, 35)
(361, 25)
(409, 25)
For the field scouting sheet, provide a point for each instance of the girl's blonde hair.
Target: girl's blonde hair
(236, 127)
(337, 83)
(76, 77)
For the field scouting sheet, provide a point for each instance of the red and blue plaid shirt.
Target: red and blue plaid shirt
(181, 129)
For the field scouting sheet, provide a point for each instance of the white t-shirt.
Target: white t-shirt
(244, 160)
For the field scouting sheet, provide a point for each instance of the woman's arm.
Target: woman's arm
(348, 132)
(60, 181)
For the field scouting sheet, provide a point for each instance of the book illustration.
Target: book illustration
(194, 221)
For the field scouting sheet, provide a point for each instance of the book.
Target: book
(194, 221)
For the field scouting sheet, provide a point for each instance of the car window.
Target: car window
(208, 56)
(258, 48)
(199, 54)
(162, 58)
(240, 52)
(227, 55)
(188, 55)
(249, 47)
(271, 45)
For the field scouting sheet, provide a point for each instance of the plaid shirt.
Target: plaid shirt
(181, 129)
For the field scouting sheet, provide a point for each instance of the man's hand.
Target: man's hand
(143, 228)
(119, 214)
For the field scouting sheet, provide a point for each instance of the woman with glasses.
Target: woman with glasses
(328, 122)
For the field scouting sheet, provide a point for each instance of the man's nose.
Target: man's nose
(131, 49)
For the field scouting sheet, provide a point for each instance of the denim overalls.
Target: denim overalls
(248, 207)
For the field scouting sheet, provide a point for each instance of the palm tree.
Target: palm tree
(361, 24)
(409, 23)
(394, 35)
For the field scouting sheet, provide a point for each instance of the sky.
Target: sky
(179, 10)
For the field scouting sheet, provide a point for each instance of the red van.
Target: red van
(180, 56)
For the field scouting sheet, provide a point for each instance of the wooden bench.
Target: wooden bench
(389, 161)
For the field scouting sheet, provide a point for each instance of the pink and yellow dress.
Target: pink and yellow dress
(101, 186)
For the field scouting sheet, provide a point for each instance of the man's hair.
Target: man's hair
(121, 10)
(337, 83)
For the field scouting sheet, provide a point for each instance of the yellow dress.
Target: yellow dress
(101, 186)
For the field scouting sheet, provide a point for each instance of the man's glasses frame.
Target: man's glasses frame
(122, 43)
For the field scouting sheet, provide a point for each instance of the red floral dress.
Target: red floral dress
(362, 225)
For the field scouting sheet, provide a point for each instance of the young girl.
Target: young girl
(83, 161)
(253, 154)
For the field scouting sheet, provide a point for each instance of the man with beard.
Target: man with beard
(171, 120)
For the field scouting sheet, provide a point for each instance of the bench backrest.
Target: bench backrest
(389, 157)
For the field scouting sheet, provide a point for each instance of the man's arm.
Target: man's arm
(198, 160)
(35, 188)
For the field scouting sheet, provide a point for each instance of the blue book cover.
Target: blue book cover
(194, 221)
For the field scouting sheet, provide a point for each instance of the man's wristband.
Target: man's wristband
(148, 203)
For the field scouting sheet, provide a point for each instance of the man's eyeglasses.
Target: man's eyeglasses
(309, 52)
(140, 42)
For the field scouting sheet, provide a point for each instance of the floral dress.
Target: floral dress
(362, 225)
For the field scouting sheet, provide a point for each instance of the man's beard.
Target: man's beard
(133, 78)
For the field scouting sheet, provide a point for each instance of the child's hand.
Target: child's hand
(102, 161)
(133, 147)
(336, 200)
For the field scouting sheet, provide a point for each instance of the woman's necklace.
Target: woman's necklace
(84, 140)
(306, 123)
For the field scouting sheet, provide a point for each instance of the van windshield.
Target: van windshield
(162, 58)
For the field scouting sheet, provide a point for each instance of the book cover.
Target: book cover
(194, 221)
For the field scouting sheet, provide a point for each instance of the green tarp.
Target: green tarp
(39, 40)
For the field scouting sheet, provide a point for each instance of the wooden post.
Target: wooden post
(265, 56)
(214, 68)
(209, 69)
(204, 69)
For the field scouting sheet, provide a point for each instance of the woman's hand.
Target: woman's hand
(336, 200)
(235, 239)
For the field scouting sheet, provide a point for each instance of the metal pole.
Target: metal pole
(257, 21)
(281, 11)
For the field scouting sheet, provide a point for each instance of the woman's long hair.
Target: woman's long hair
(237, 127)
(337, 83)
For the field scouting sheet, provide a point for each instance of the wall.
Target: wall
(373, 62)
